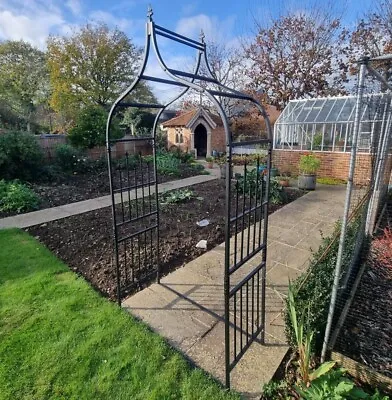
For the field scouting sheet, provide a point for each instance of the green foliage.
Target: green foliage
(20, 156)
(254, 179)
(309, 164)
(168, 164)
(70, 159)
(90, 128)
(250, 159)
(177, 196)
(334, 385)
(312, 289)
(17, 197)
(277, 390)
(331, 181)
(303, 338)
(317, 141)
(23, 83)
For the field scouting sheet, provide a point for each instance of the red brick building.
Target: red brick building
(196, 131)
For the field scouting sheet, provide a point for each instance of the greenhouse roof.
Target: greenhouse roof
(333, 110)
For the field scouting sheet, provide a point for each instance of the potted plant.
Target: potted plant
(221, 161)
(210, 162)
(283, 180)
(309, 164)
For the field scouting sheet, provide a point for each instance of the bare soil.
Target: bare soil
(84, 242)
(78, 187)
(366, 335)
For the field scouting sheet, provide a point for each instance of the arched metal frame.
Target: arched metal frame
(253, 281)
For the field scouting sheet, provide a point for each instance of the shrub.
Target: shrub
(70, 159)
(312, 289)
(90, 128)
(17, 197)
(176, 196)
(382, 247)
(168, 164)
(21, 156)
(309, 164)
(334, 385)
(277, 194)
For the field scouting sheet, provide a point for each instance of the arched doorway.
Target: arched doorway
(201, 140)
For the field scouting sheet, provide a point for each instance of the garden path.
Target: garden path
(187, 308)
(54, 213)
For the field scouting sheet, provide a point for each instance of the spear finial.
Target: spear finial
(150, 13)
(202, 35)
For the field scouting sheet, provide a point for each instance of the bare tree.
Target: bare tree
(297, 56)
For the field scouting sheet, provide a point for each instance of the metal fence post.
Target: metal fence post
(363, 65)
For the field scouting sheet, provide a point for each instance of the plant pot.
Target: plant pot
(307, 181)
(284, 182)
(210, 165)
(223, 171)
(273, 172)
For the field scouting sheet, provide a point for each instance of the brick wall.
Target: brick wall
(335, 165)
(218, 139)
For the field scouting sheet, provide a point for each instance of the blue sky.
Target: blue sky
(222, 21)
(33, 20)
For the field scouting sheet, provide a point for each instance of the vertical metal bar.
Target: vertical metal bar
(125, 262)
(229, 152)
(136, 196)
(132, 260)
(255, 213)
(241, 330)
(247, 312)
(236, 224)
(235, 325)
(243, 213)
(262, 192)
(249, 220)
(264, 254)
(149, 202)
(121, 196)
(114, 218)
(157, 206)
(253, 304)
(142, 184)
(258, 300)
(363, 64)
(128, 185)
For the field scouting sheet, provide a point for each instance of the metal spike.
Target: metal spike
(150, 12)
(202, 35)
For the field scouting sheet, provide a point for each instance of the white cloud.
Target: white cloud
(213, 28)
(31, 28)
(75, 6)
(110, 19)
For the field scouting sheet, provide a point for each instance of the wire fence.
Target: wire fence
(359, 326)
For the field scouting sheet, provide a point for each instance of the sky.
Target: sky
(223, 21)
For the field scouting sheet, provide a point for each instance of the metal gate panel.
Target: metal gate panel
(135, 206)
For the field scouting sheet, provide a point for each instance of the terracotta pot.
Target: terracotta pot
(210, 165)
(284, 182)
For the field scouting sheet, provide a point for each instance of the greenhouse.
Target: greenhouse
(326, 124)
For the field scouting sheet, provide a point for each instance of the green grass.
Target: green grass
(59, 339)
(327, 180)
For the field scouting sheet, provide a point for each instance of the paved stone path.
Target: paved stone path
(187, 307)
(51, 214)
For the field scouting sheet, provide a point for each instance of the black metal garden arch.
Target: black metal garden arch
(135, 207)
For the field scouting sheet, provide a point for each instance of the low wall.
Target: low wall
(333, 164)
(48, 143)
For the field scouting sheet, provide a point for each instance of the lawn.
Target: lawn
(59, 339)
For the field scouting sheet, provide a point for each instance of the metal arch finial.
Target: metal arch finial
(150, 12)
(202, 35)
